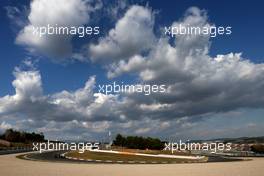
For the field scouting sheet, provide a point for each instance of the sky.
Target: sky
(50, 84)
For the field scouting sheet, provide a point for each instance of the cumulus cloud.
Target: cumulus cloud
(64, 13)
(133, 33)
(82, 112)
(29, 100)
(197, 84)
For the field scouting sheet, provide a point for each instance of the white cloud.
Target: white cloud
(133, 33)
(27, 88)
(64, 13)
(135, 63)
(29, 101)
(142, 130)
(198, 85)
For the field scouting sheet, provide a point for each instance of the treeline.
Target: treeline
(25, 137)
(137, 142)
(257, 148)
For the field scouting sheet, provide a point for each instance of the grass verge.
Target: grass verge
(127, 158)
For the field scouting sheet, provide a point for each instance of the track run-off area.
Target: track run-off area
(49, 165)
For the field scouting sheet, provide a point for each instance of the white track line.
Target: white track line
(151, 155)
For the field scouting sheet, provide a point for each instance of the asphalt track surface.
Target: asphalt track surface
(10, 165)
(54, 156)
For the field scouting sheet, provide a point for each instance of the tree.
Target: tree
(119, 140)
(138, 142)
(257, 148)
(16, 136)
(12, 136)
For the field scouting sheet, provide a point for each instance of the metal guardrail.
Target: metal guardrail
(230, 154)
(11, 150)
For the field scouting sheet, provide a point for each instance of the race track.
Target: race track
(12, 166)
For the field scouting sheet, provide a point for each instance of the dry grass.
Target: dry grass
(125, 157)
(153, 152)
